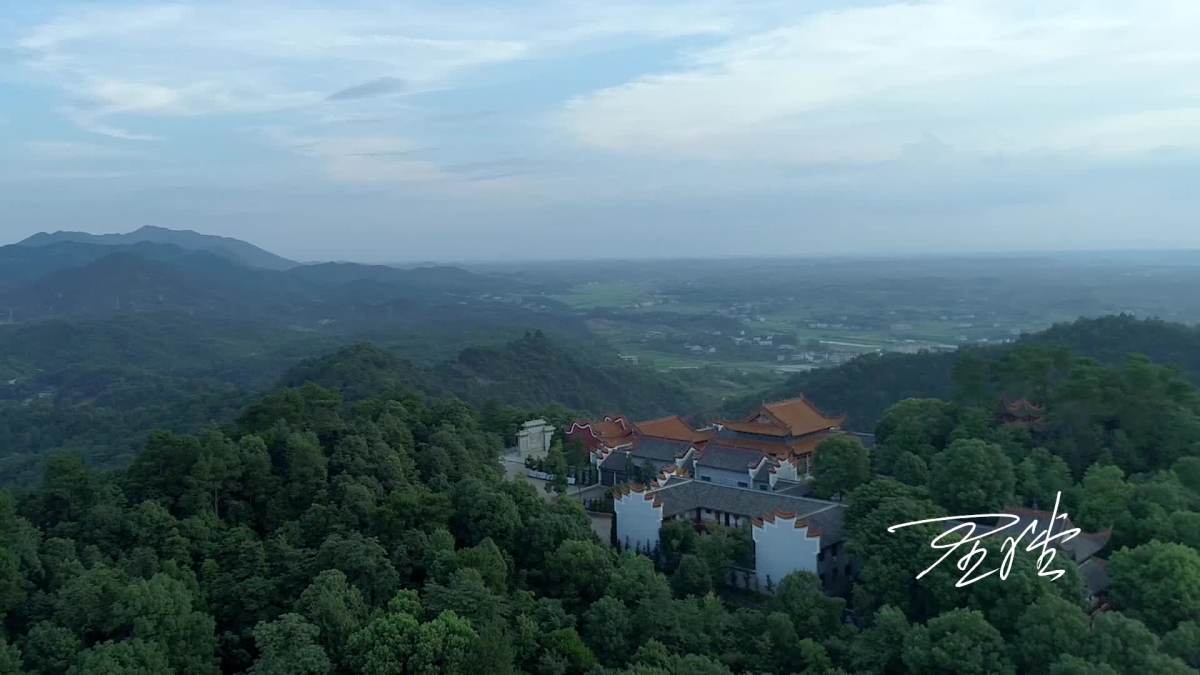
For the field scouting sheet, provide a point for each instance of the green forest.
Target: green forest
(362, 525)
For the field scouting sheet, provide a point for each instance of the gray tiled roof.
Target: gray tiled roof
(679, 496)
(661, 449)
(720, 456)
(656, 450)
(1094, 572)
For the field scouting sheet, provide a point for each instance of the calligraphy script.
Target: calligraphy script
(963, 536)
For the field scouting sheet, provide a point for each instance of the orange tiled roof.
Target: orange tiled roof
(607, 429)
(756, 428)
(672, 427)
(800, 417)
(780, 449)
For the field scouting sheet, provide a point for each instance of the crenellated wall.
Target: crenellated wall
(784, 544)
(639, 519)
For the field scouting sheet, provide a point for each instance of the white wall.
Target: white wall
(781, 548)
(638, 521)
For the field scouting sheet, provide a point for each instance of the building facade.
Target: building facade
(790, 533)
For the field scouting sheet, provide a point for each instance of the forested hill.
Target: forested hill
(234, 249)
(320, 536)
(73, 275)
(98, 388)
(866, 386)
(533, 371)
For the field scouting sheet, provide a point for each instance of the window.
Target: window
(847, 569)
(820, 555)
(762, 486)
(706, 478)
(742, 484)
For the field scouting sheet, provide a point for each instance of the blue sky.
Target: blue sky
(394, 131)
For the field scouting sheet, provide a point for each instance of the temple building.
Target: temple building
(769, 450)
(789, 429)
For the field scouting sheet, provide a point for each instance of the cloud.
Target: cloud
(377, 87)
(57, 151)
(227, 58)
(861, 84)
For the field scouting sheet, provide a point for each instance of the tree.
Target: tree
(12, 583)
(10, 658)
(556, 466)
(1158, 583)
(960, 641)
(364, 562)
(160, 610)
(397, 643)
(1049, 628)
(480, 511)
(910, 469)
(801, 597)
(289, 646)
(580, 570)
(1183, 642)
(1128, 646)
(487, 559)
(467, 596)
(878, 648)
(841, 464)
(335, 608)
(565, 646)
(50, 648)
(891, 561)
(692, 577)
(607, 628)
(127, 657)
(971, 476)
(919, 426)
(1104, 497)
(1040, 477)
(634, 581)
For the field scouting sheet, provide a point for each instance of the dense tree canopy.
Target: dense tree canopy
(373, 533)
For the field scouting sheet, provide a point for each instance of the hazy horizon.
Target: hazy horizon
(380, 133)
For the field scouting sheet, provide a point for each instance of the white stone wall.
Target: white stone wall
(638, 521)
(781, 548)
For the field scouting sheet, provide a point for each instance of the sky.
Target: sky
(387, 131)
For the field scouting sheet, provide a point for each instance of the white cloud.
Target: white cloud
(862, 84)
(222, 56)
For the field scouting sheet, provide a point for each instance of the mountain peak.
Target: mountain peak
(234, 249)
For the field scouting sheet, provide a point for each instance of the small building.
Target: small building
(730, 465)
(644, 458)
(533, 440)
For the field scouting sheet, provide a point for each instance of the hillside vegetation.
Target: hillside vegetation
(866, 386)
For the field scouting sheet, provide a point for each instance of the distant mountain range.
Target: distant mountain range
(79, 275)
(234, 249)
